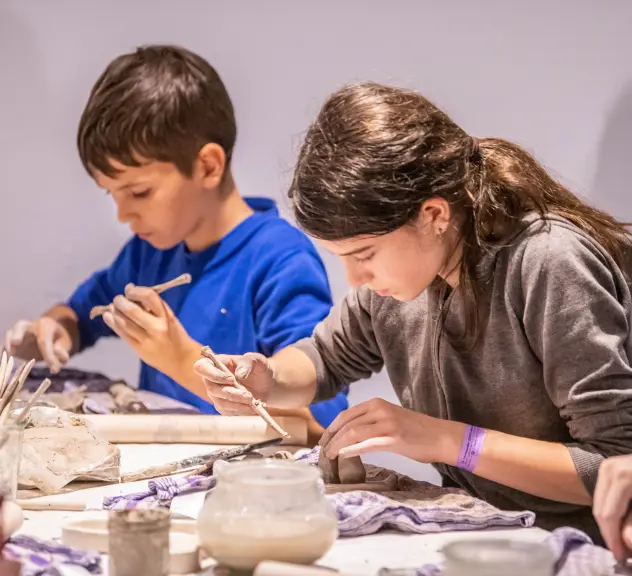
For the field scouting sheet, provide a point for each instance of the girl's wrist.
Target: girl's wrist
(450, 438)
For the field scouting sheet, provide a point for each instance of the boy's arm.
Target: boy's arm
(100, 289)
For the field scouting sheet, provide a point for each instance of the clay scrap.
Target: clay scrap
(59, 448)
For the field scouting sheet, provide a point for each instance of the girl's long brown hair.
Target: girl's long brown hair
(375, 153)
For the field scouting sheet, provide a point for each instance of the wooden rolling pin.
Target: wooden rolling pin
(194, 429)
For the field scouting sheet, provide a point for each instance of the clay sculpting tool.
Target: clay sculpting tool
(158, 289)
(257, 405)
(200, 463)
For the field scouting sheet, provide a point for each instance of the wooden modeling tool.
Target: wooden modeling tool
(201, 463)
(257, 405)
(158, 289)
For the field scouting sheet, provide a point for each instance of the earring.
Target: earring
(440, 234)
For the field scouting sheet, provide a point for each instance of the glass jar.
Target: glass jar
(267, 510)
(11, 437)
(497, 557)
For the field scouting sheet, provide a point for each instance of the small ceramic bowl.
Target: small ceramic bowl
(92, 534)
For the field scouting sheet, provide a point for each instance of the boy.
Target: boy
(157, 134)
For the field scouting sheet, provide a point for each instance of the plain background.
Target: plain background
(553, 75)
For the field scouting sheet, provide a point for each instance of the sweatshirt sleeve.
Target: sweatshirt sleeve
(343, 346)
(576, 317)
(100, 289)
(292, 298)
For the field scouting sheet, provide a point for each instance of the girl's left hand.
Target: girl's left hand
(378, 425)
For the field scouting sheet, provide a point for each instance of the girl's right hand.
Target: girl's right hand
(253, 371)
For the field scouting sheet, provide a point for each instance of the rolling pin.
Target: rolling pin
(193, 429)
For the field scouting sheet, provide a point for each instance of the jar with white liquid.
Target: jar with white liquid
(267, 510)
(497, 557)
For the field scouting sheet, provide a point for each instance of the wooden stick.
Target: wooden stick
(14, 388)
(3, 366)
(7, 395)
(200, 463)
(179, 281)
(158, 289)
(7, 375)
(13, 380)
(21, 419)
(67, 506)
(257, 405)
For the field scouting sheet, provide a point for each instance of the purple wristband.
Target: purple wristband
(471, 448)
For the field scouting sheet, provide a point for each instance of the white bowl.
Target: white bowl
(92, 534)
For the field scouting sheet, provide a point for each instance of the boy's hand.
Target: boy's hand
(45, 339)
(147, 323)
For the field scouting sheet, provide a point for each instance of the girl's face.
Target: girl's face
(403, 263)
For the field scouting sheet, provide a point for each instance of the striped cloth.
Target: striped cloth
(41, 557)
(415, 507)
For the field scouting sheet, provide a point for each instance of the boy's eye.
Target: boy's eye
(365, 258)
(141, 193)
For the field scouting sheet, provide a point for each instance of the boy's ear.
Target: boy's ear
(211, 165)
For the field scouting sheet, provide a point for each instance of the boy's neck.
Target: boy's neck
(227, 211)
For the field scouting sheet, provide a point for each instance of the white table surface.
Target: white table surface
(363, 555)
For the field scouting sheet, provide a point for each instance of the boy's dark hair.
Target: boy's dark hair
(375, 153)
(160, 103)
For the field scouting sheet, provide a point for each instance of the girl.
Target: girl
(496, 299)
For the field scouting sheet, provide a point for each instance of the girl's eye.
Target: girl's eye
(141, 194)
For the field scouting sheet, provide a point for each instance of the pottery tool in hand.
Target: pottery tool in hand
(257, 405)
(158, 289)
(201, 463)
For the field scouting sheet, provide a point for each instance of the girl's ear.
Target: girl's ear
(434, 216)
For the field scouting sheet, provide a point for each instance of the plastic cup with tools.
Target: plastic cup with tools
(267, 510)
(11, 436)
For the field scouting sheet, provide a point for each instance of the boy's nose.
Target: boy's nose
(357, 276)
(123, 213)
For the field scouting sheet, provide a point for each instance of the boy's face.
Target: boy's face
(159, 203)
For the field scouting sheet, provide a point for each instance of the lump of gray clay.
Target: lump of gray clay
(340, 470)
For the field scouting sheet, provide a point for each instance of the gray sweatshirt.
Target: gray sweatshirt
(552, 363)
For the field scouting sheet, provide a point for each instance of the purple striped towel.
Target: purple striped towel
(414, 507)
(41, 558)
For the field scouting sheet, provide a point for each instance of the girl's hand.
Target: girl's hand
(378, 425)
